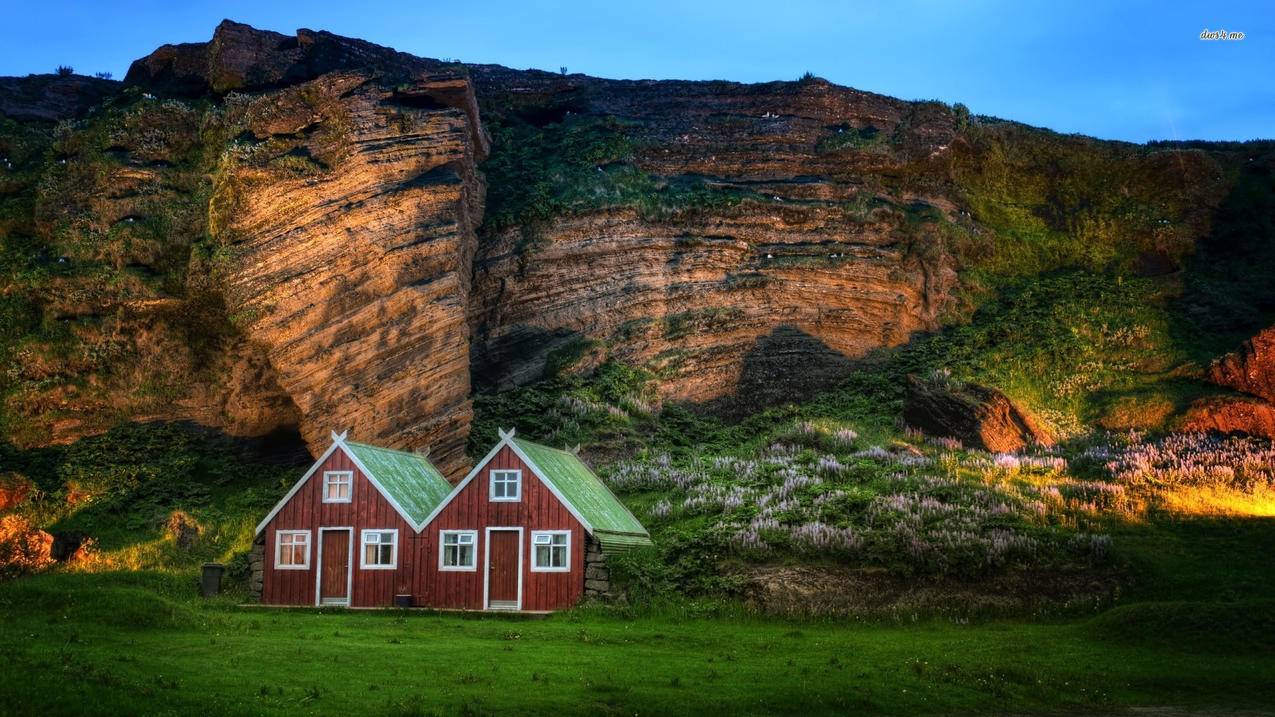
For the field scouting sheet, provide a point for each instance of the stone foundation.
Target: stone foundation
(256, 567)
(597, 575)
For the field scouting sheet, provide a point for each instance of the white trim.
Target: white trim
(491, 486)
(442, 551)
(363, 552)
(349, 482)
(506, 439)
(278, 549)
(550, 569)
(487, 564)
(338, 441)
(349, 568)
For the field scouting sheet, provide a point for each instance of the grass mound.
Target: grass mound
(1191, 626)
(130, 600)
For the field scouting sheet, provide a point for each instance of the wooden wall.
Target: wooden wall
(539, 509)
(367, 509)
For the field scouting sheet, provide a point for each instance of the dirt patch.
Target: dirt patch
(833, 591)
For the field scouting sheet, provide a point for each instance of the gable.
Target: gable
(472, 506)
(303, 506)
(413, 487)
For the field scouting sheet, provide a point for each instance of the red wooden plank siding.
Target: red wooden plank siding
(368, 509)
(539, 509)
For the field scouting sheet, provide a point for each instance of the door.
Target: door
(503, 567)
(334, 567)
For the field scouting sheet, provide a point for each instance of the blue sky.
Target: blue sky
(1123, 70)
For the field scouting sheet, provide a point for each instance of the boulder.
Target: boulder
(1231, 414)
(978, 416)
(1250, 370)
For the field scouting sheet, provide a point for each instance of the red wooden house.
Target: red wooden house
(345, 533)
(527, 529)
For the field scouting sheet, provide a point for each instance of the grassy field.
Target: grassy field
(1195, 630)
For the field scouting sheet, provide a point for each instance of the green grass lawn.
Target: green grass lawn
(1195, 630)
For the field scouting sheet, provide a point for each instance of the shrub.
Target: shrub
(24, 548)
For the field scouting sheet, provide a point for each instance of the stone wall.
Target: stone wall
(597, 576)
(257, 566)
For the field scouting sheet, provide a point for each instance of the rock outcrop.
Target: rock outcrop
(978, 416)
(241, 57)
(1250, 370)
(1230, 414)
(351, 260)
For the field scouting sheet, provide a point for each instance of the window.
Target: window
(457, 551)
(380, 550)
(337, 486)
(506, 485)
(551, 551)
(292, 550)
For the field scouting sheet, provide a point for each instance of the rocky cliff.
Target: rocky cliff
(265, 231)
(351, 262)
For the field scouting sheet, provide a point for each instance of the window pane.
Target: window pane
(559, 559)
(466, 555)
(466, 538)
(543, 538)
(542, 556)
(559, 539)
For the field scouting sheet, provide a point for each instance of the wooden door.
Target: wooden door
(502, 569)
(334, 566)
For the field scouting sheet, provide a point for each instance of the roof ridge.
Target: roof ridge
(548, 448)
(373, 446)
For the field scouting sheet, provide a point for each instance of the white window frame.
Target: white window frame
(491, 485)
(348, 477)
(278, 549)
(535, 563)
(363, 564)
(442, 551)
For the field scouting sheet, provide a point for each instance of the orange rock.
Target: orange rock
(1251, 369)
(1231, 414)
(355, 279)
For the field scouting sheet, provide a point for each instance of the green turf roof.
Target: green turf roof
(613, 525)
(409, 478)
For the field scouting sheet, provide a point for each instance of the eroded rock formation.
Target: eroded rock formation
(766, 296)
(351, 261)
(1251, 369)
(978, 416)
(321, 208)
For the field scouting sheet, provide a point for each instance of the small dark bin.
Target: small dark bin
(402, 601)
(210, 581)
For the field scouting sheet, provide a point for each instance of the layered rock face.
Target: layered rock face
(351, 259)
(323, 203)
(735, 304)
